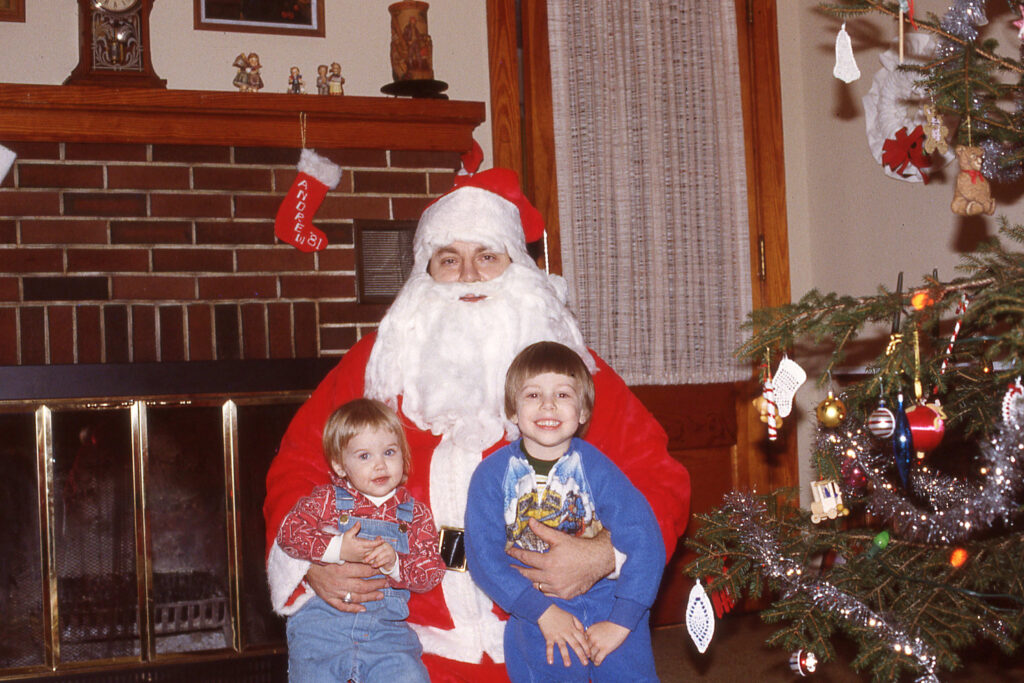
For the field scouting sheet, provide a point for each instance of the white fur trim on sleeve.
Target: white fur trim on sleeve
(321, 168)
(285, 574)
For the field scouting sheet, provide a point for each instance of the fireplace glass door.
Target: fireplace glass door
(132, 530)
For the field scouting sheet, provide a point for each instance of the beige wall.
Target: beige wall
(44, 49)
(851, 227)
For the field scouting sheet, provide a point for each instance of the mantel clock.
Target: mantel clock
(114, 45)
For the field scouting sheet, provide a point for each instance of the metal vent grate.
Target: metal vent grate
(383, 258)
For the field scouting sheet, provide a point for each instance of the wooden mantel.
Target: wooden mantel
(201, 117)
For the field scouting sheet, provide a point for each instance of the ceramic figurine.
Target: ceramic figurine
(295, 83)
(321, 80)
(248, 78)
(335, 80)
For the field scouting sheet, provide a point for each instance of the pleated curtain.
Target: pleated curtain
(651, 184)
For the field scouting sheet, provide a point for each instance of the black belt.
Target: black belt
(452, 548)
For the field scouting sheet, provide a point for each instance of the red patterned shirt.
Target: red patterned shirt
(313, 522)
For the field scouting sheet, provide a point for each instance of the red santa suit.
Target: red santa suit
(427, 358)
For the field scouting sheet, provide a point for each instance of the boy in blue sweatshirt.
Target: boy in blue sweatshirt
(551, 476)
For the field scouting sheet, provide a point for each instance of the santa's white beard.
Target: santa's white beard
(447, 358)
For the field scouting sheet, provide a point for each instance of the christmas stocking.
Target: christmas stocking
(294, 222)
(787, 380)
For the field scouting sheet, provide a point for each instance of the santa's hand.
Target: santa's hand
(570, 566)
(345, 586)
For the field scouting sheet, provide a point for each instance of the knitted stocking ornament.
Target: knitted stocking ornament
(294, 222)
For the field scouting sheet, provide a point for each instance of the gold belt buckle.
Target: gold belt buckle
(452, 548)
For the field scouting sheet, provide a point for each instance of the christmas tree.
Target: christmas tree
(914, 545)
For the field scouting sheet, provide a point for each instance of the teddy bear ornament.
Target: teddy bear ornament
(972, 194)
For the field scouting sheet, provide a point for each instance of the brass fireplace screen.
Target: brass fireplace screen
(132, 528)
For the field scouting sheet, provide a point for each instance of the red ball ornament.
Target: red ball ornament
(958, 557)
(854, 478)
(927, 425)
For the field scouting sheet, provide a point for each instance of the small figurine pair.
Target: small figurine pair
(329, 82)
(248, 78)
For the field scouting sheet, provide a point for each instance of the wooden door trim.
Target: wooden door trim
(763, 464)
(527, 143)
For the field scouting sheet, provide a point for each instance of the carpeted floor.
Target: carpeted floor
(738, 654)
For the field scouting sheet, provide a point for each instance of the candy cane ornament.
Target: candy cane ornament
(961, 308)
(771, 410)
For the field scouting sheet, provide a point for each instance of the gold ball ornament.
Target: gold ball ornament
(831, 412)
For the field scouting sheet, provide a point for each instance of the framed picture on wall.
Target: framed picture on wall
(12, 10)
(282, 17)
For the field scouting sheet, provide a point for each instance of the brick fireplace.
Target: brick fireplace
(155, 339)
(124, 250)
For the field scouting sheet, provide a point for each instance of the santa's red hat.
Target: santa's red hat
(487, 208)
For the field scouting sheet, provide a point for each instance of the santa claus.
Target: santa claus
(474, 300)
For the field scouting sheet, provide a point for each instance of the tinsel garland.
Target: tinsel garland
(962, 21)
(748, 514)
(957, 509)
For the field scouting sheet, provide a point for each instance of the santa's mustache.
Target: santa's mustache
(452, 292)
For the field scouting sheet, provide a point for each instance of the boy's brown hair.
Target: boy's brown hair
(547, 356)
(357, 416)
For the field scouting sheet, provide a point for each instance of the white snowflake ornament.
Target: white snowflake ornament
(700, 617)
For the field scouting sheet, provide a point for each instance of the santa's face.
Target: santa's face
(372, 461)
(548, 414)
(467, 262)
(445, 344)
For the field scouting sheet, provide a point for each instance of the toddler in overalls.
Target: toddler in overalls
(365, 516)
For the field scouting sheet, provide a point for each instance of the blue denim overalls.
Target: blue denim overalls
(326, 645)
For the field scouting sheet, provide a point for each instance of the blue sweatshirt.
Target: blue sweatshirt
(585, 492)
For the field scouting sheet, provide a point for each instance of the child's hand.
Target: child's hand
(382, 556)
(604, 637)
(561, 628)
(354, 549)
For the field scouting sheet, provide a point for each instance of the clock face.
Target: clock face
(115, 5)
